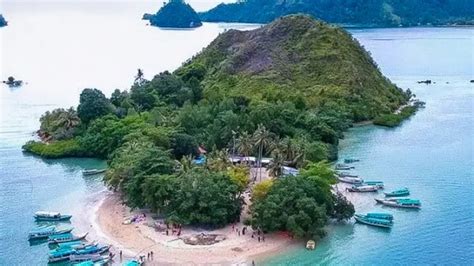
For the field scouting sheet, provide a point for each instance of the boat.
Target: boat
(93, 171)
(340, 166)
(77, 245)
(88, 257)
(45, 232)
(351, 160)
(65, 238)
(350, 180)
(400, 203)
(51, 216)
(65, 253)
(310, 244)
(402, 192)
(93, 263)
(345, 174)
(92, 250)
(378, 184)
(363, 188)
(373, 221)
(380, 215)
(132, 263)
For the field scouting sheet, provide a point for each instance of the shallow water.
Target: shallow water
(61, 48)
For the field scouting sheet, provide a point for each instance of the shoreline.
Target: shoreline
(140, 238)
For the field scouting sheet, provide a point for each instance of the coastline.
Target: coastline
(140, 238)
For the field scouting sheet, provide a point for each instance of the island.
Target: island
(231, 150)
(377, 13)
(3, 22)
(175, 14)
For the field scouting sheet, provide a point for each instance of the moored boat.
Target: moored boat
(51, 216)
(351, 160)
(350, 180)
(380, 215)
(363, 188)
(89, 257)
(340, 166)
(378, 184)
(400, 203)
(403, 192)
(310, 244)
(45, 232)
(373, 221)
(93, 171)
(345, 174)
(132, 263)
(65, 238)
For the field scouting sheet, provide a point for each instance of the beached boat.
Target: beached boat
(351, 160)
(373, 221)
(403, 192)
(76, 245)
(89, 257)
(93, 171)
(45, 232)
(378, 184)
(65, 238)
(340, 166)
(350, 180)
(93, 263)
(400, 203)
(132, 263)
(310, 244)
(93, 250)
(65, 253)
(380, 215)
(345, 174)
(363, 188)
(51, 216)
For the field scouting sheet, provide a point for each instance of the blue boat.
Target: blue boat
(43, 216)
(373, 221)
(400, 203)
(45, 232)
(64, 254)
(379, 184)
(380, 215)
(65, 238)
(351, 160)
(343, 167)
(132, 263)
(402, 192)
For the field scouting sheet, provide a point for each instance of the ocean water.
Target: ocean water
(61, 47)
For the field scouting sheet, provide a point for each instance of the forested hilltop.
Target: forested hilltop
(175, 14)
(287, 90)
(374, 13)
(3, 22)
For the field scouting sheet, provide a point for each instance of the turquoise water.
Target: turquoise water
(61, 48)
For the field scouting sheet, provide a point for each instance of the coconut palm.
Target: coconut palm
(263, 140)
(245, 144)
(276, 165)
(218, 160)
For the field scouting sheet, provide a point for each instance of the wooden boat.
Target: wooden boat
(76, 245)
(132, 263)
(400, 203)
(351, 160)
(373, 221)
(92, 250)
(51, 216)
(310, 244)
(363, 188)
(64, 254)
(378, 184)
(65, 238)
(403, 192)
(350, 180)
(345, 174)
(93, 263)
(42, 233)
(93, 171)
(343, 167)
(88, 257)
(380, 215)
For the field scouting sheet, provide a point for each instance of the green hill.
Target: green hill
(175, 14)
(374, 13)
(3, 22)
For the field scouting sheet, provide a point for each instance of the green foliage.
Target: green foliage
(92, 104)
(240, 176)
(205, 198)
(319, 172)
(363, 13)
(56, 149)
(260, 190)
(393, 120)
(59, 124)
(184, 144)
(175, 14)
(343, 209)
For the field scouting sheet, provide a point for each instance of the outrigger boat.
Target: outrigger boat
(363, 188)
(380, 215)
(132, 263)
(100, 262)
(350, 180)
(378, 184)
(65, 238)
(64, 254)
(345, 174)
(51, 216)
(373, 221)
(400, 203)
(76, 245)
(343, 167)
(403, 192)
(45, 232)
(93, 171)
(350, 160)
(89, 257)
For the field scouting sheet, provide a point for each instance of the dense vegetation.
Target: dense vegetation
(393, 120)
(287, 90)
(379, 13)
(3, 22)
(175, 14)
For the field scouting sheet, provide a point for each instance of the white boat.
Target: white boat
(350, 180)
(363, 189)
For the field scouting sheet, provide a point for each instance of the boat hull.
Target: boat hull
(364, 221)
(53, 219)
(397, 205)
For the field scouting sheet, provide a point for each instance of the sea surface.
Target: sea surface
(60, 47)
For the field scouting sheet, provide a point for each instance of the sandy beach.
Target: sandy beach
(140, 238)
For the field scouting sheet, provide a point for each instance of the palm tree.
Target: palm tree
(186, 163)
(245, 144)
(263, 140)
(218, 160)
(275, 167)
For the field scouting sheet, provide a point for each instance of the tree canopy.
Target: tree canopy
(92, 104)
(175, 14)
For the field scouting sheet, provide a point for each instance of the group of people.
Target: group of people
(259, 233)
(148, 257)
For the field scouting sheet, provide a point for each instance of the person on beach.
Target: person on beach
(263, 237)
(120, 255)
(148, 256)
(151, 252)
(258, 238)
(253, 263)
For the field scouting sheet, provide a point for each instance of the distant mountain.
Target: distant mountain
(374, 13)
(3, 22)
(175, 14)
